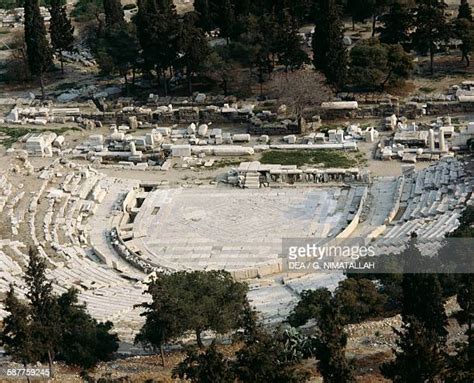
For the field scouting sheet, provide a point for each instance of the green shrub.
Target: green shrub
(106, 64)
(86, 10)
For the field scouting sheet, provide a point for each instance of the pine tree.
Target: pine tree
(38, 51)
(400, 65)
(396, 25)
(423, 300)
(300, 10)
(465, 299)
(289, 42)
(194, 47)
(16, 336)
(431, 27)
(162, 319)
(178, 306)
(268, 29)
(377, 7)
(44, 308)
(84, 341)
(461, 365)
(226, 20)
(359, 300)
(422, 339)
(358, 10)
(465, 11)
(242, 7)
(47, 327)
(60, 29)
(248, 321)
(419, 358)
(320, 42)
(158, 33)
(464, 30)
(330, 55)
(113, 13)
(120, 47)
(144, 21)
(203, 10)
(330, 345)
(369, 64)
(309, 306)
(256, 47)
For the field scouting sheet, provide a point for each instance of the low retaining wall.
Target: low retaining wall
(398, 196)
(355, 221)
(258, 271)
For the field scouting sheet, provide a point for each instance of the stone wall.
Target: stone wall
(410, 110)
(355, 221)
(273, 129)
(178, 116)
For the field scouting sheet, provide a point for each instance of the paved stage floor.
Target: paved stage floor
(231, 228)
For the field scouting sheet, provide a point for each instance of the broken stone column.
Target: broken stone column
(202, 131)
(132, 122)
(191, 128)
(370, 135)
(442, 142)
(431, 140)
(133, 148)
(150, 139)
(13, 115)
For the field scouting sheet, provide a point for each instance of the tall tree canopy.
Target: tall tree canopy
(118, 50)
(422, 340)
(330, 345)
(464, 30)
(158, 32)
(465, 10)
(113, 12)
(60, 29)
(290, 53)
(373, 65)
(191, 301)
(38, 50)
(358, 10)
(84, 341)
(205, 18)
(44, 308)
(431, 27)
(330, 341)
(329, 52)
(461, 365)
(16, 335)
(397, 24)
(46, 327)
(194, 48)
